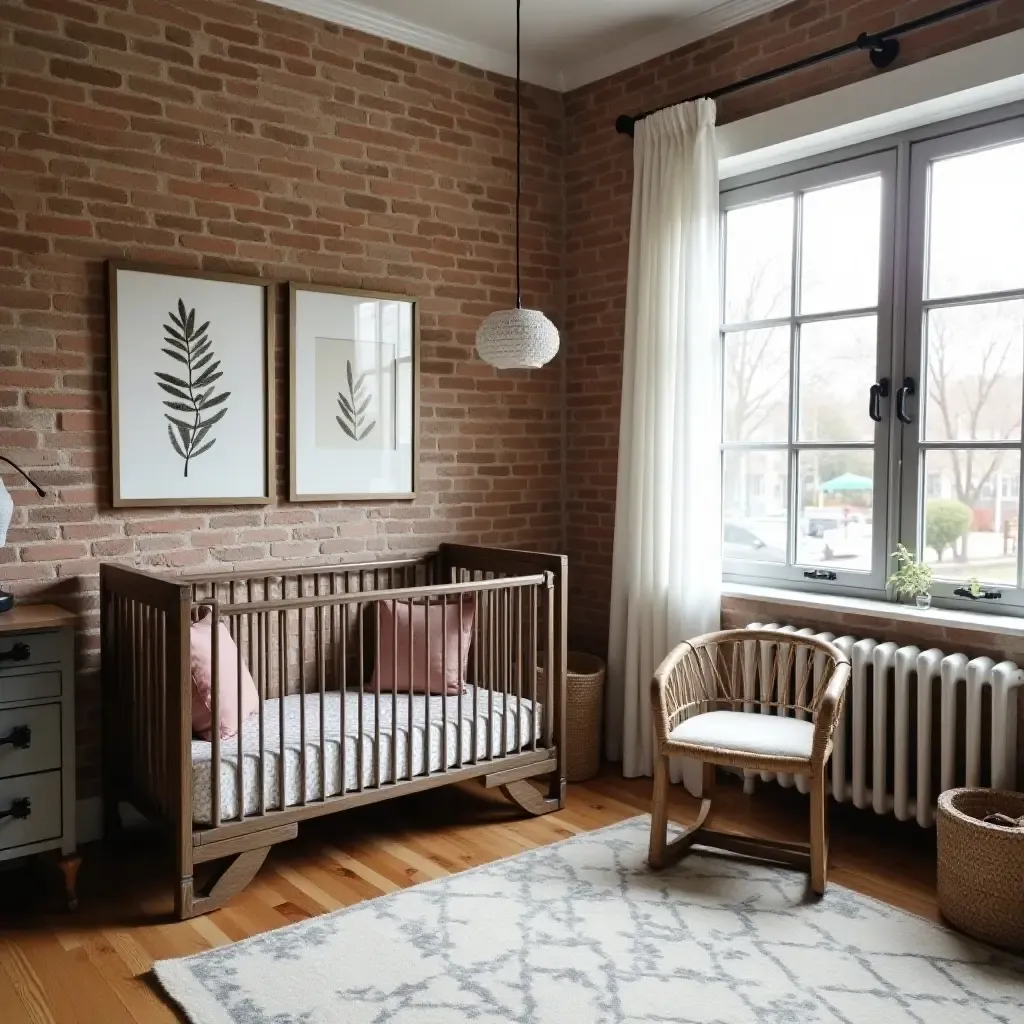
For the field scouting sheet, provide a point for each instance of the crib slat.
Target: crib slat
(215, 710)
(409, 702)
(549, 664)
(458, 711)
(359, 672)
(477, 644)
(282, 690)
(302, 703)
(321, 678)
(444, 684)
(519, 670)
(240, 765)
(492, 668)
(150, 682)
(343, 616)
(533, 667)
(427, 737)
(504, 654)
(394, 692)
(378, 644)
(264, 686)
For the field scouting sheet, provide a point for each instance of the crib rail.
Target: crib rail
(303, 581)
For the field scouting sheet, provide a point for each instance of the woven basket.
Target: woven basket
(584, 699)
(981, 867)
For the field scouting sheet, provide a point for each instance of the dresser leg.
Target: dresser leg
(69, 866)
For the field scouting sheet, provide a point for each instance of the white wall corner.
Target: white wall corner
(364, 18)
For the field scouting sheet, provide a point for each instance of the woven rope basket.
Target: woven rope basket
(584, 700)
(981, 866)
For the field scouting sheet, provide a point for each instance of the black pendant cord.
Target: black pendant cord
(883, 49)
(519, 145)
(39, 490)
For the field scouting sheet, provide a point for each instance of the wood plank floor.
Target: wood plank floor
(92, 966)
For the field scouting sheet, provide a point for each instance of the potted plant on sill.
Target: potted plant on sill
(911, 578)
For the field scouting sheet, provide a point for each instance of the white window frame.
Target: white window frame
(883, 165)
(899, 449)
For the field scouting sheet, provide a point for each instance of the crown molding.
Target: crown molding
(724, 16)
(376, 23)
(366, 19)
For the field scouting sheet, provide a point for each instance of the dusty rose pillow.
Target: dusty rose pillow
(201, 636)
(447, 676)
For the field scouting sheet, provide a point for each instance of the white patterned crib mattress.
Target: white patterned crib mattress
(492, 716)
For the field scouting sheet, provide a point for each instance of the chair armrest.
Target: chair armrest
(827, 713)
(671, 689)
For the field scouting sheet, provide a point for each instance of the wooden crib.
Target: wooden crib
(330, 733)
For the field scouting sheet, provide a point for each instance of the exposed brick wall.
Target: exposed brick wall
(238, 136)
(599, 166)
(227, 134)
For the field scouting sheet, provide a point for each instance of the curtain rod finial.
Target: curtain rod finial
(625, 124)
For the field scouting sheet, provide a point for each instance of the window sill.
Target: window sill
(889, 611)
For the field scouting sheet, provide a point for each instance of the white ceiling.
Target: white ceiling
(566, 43)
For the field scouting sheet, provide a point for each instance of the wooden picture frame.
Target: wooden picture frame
(348, 420)
(249, 476)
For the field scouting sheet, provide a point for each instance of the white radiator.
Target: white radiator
(915, 724)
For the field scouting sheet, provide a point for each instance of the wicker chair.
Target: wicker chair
(702, 696)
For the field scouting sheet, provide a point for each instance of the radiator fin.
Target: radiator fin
(915, 723)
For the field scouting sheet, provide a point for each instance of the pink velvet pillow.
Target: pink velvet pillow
(231, 718)
(447, 676)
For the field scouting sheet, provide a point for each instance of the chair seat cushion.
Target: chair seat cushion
(747, 733)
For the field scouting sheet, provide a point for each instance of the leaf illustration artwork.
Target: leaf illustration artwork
(192, 397)
(353, 409)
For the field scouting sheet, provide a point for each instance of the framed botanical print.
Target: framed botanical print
(192, 387)
(354, 420)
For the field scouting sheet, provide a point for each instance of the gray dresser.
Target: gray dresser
(37, 737)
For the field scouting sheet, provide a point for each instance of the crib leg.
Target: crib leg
(532, 800)
(228, 881)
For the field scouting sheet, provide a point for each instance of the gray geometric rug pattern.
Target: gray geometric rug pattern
(583, 932)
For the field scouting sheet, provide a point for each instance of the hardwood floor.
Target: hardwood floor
(91, 966)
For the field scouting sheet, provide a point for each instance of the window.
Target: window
(873, 364)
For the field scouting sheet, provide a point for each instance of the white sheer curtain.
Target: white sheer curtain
(666, 580)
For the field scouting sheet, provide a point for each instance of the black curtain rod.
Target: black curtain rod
(883, 48)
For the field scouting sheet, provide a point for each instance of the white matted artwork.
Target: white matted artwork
(354, 395)
(192, 387)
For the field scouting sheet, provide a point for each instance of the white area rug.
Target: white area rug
(582, 932)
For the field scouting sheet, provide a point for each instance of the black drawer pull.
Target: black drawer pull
(20, 737)
(19, 652)
(20, 808)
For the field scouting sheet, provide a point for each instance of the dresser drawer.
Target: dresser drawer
(19, 651)
(44, 817)
(29, 740)
(30, 685)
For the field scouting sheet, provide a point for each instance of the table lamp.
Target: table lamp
(6, 513)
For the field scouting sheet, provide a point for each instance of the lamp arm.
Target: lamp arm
(39, 490)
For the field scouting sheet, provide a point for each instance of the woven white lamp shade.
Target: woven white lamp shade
(517, 339)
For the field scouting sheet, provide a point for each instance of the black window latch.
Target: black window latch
(981, 595)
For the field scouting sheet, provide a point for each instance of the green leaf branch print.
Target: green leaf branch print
(192, 397)
(353, 408)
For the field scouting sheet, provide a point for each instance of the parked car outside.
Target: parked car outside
(742, 542)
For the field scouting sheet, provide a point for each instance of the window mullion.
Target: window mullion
(794, 382)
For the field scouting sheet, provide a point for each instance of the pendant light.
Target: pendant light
(517, 339)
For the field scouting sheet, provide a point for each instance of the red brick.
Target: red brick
(89, 73)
